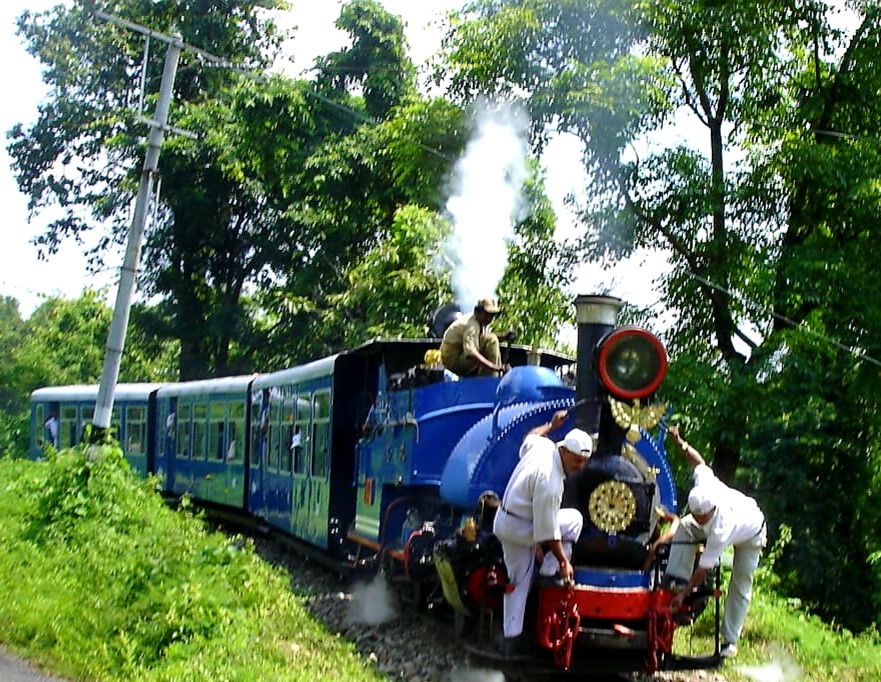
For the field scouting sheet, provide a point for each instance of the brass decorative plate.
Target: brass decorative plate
(612, 506)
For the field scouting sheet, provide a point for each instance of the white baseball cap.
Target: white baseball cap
(699, 501)
(578, 442)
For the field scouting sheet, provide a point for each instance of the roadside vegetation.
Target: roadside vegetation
(103, 582)
(782, 642)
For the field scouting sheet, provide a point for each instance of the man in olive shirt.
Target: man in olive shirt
(469, 348)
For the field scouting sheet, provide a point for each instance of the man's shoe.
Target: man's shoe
(729, 650)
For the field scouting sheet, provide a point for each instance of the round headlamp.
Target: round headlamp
(632, 363)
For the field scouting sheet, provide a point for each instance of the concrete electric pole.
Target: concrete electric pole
(146, 190)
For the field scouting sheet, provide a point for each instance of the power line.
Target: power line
(756, 307)
(252, 74)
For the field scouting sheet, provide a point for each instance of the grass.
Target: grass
(102, 582)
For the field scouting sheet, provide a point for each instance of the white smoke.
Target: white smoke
(782, 668)
(474, 675)
(486, 201)
(372, 603)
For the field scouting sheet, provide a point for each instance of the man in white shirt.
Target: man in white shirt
(721, 517)
(530, 515)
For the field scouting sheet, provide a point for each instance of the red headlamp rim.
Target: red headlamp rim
(602, 363)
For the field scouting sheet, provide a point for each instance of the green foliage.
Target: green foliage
(63, 343)
(376, 62)
(14, 433)
(390, 291)
(104, 582)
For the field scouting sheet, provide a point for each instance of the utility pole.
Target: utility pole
(119, 324)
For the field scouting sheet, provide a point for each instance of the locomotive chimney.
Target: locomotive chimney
(596, 316)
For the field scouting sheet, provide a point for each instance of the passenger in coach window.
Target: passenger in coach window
(469, 348)
(530, 515)
(51, 426)
(721, 517)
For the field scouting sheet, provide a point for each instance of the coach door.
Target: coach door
(166, 432)
(257, 454)
(277, 472)
(301, 449)
(134, 435)
(319, 478)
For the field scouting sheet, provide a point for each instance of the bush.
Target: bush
(14, 433)
(104, 582)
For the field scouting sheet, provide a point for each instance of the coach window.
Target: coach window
(287, 432)
(168, 419)
(39, 430)
(216, 421)
(200, 431)
(235, 441)
(184, 422)
(67, 435)
(87, 416)
(116, 424)
(320, 422)
(300, 438)
(274, 431)
(135, 429)
(256, 431)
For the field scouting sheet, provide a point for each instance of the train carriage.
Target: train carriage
(132, 420)
(201, 436)
(292, 461)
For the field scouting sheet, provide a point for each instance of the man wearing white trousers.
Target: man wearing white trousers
(721, 517)
(530, 515)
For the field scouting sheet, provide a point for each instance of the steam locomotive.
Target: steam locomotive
(379, 458)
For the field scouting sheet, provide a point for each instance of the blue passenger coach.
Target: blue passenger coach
(132, 420)
(201, 434)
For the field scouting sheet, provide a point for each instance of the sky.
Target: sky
(29, 279)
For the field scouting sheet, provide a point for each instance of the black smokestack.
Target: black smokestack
(596, 316)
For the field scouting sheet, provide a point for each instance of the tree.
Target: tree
(83, 152)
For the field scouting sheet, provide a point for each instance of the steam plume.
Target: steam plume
(372, 603)
(486, 201)
(782, 668)
(474, 675)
